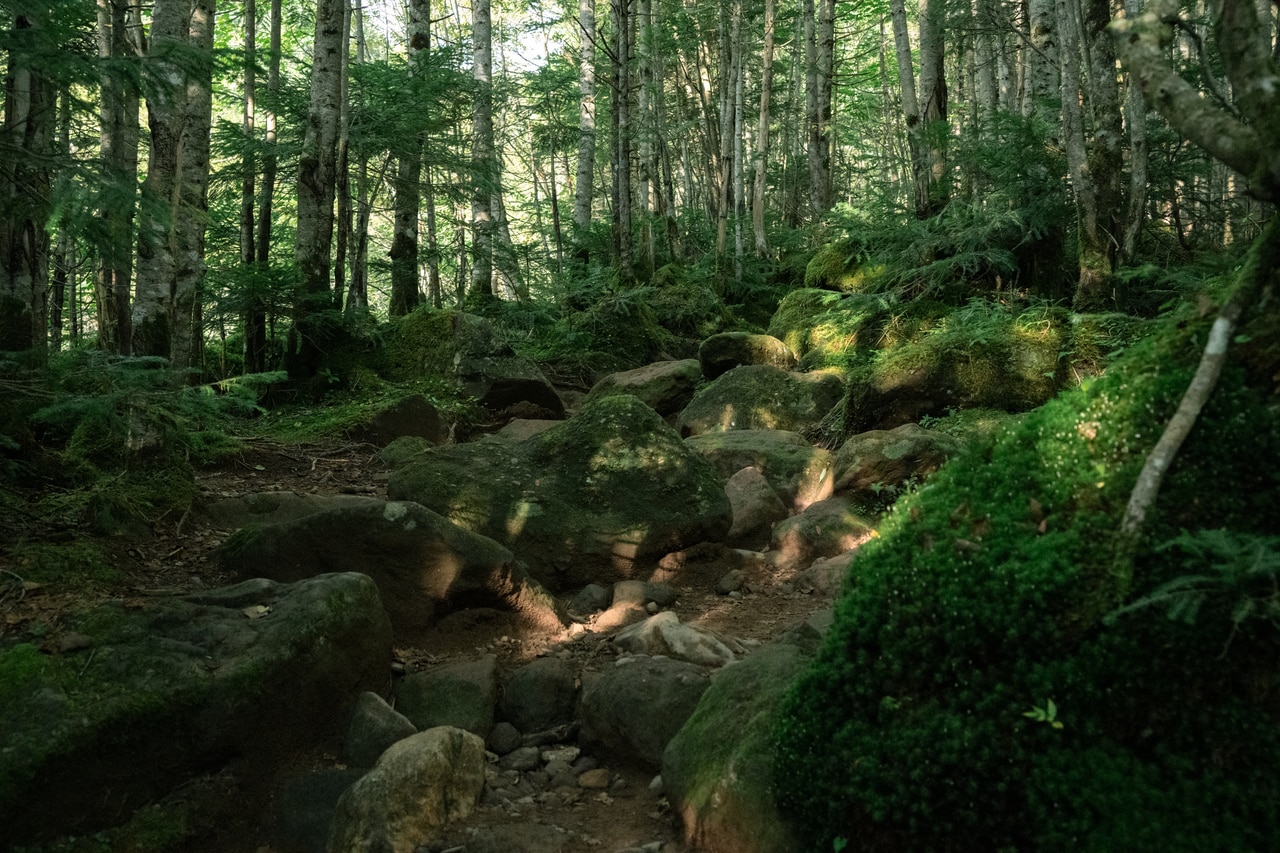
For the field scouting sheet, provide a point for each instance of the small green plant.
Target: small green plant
(1047, 714)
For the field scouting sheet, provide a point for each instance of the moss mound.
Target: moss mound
(973, 694)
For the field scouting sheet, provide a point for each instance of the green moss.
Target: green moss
(983, 599)
(73, 561)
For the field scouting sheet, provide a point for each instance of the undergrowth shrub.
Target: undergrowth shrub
(973, 693)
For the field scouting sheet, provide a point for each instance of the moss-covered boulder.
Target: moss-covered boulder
(758, 396)
(718, 769)
(149, 695)
(996, 677)
(466, 349)
(591, 500)
(799, 472)
(825, 529)
(725, 351)
(424, 565)
(665, 386)
(881, 460)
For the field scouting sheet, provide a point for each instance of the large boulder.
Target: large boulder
(799, 472)
(633, 709)
(419, 786)
(665, 386)
(586, 501)
(468, 350)
(760, 396)
(886, 459)
(275, 507)
(424, 565)
(756, 507)
(161, 692)
(825, 529)
(718, 769)
(414, 416)
(375, 725)
(721, 353)
(462, 694)
(540, 695)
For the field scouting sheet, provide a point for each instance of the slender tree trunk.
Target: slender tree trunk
(168, 302)
(729, 19)
(1043, 71)
(482, 153)
(255, 326)
(739, 154)
(933, 109)
(358, 286)
(118, 147)
(405, 294)
(1136, 119)
(819, 53)
(911, 110)
(762, 134)
(583, 191)
(248, 119)
(317, 181)
(624, 23)
(344, 224)
(26, 145)
(1100, 230)
(434, 291)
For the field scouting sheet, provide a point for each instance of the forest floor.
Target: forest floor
(179, 557)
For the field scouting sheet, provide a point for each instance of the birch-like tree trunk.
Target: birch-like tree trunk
(168, 301)
(1136, 121)
(819, 29)
(317, 182)
(26, 146)
(405, 294)
(118, 151)
(482, 152)
(1042, 67)
(762, 134)
(584, 182)
(248, 121)
(911, 109)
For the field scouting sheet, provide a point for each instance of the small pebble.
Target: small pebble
(597, 779)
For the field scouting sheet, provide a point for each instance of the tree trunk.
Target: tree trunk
(482, 153)
(248, 120)
(255, 325)
(624, 37)
(933, 107)
(1136, 119)
(819, 31)
(762, 134)
(1042, 68)
(317, 182)
(583, 190)
(405, 294)
(911, 110)
(168, 303)
(344, 224)
(26, 145)
(118, 149)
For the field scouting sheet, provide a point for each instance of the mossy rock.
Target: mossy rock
(665, 386)
(152, 696)
(718, 769)
(798, 472)
(727, 350)
(972, 661)
(589, 500)
(758, 396)
(837, 266)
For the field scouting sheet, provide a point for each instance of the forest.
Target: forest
(1042, 229)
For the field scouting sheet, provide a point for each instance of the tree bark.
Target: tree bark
(482, 153)
(933, 109)
(583, 190)
(623, 252)
(26, 145)
(168, 302)
(255, 323)
(317, 183)
(405, 294)
(762, 134)
(819, 29)
(118, 151)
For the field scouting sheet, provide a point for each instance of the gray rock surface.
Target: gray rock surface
(582, 502)
(799, 473)
(760, 396)
(540, 695)
(633, 709)
(166, 690)
(412, 416)
(417, 787)
(885, 459)
(375, 725)
(423, 564)
(461, 695)
(825, 529)
(664, 386)
(756, 507)
(721, 353)
(664, 634)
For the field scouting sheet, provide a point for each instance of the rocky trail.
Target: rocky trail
(568, 635)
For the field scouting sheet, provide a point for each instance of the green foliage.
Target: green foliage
(986, 596)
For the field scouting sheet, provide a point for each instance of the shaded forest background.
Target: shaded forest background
(236, 189)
